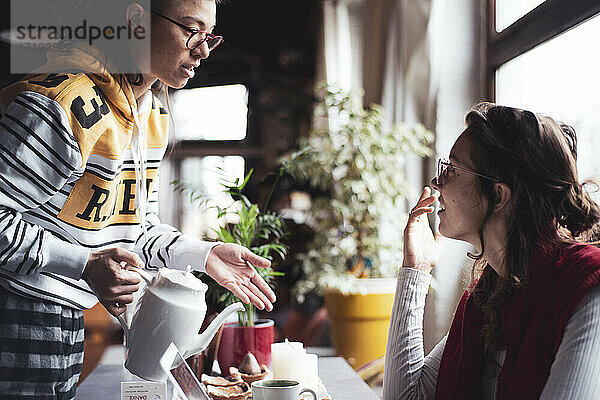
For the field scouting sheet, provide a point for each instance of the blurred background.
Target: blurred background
(423, 61)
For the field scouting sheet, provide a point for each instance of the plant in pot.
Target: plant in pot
(358, 163)
(260, 231)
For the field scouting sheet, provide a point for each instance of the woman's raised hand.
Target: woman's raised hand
(230, 265)
(421, 248)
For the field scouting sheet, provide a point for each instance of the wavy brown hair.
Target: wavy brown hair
(536, 157)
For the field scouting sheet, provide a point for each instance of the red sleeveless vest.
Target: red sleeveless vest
(533, 322)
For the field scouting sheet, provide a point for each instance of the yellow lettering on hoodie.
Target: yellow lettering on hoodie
(95, 203)
(98, 106)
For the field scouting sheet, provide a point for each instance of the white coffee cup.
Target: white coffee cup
(278, 389)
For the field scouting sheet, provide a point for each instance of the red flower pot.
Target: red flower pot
(237, 340)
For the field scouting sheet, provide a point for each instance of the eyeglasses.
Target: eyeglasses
(197, 37)
(444, 167)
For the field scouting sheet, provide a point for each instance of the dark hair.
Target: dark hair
(536, 157)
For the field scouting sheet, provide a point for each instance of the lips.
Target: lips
(442, 207)
(189, 70)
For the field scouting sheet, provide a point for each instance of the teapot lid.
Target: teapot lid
(179, 283)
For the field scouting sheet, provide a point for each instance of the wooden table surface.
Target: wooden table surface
(104, 383)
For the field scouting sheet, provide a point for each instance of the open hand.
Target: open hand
(230, 265)
(421, 248)
(113, 284)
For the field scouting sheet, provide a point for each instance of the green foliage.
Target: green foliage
(261, 232)
(360, 162)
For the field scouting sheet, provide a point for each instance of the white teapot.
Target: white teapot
(171, 309)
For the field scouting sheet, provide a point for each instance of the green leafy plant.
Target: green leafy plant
(358, 162)
(259, 231)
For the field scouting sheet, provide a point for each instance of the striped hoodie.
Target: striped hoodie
(69, 179)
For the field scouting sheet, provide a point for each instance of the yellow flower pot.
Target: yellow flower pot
(359, 322)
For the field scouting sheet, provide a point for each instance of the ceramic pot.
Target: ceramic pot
(360, 322)
(237, 340)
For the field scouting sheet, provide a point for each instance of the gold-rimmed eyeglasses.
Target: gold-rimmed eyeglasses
(444, 166)
(197, 37)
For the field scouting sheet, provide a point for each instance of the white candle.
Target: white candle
(288, 361)
(312, 372)
(286, 345)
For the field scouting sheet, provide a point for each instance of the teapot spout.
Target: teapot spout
(203, 340)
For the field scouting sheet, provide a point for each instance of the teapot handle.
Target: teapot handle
(145, 276)
(125, 327)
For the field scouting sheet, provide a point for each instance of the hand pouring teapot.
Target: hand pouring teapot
(171, 309)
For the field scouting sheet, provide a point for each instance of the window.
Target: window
(558, 78)
(508, 11)
(206, 174)
(211, 113)
(546, 21)
(545, 61)
(210, 146)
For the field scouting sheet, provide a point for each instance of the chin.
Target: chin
(180, 85)
(174, 82)
(442, 229)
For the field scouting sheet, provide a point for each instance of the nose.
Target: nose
(201, 51)
(435, 184)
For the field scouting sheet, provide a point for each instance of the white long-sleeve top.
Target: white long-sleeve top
(409, 374)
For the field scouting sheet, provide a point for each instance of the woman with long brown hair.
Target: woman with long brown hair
(528, 326)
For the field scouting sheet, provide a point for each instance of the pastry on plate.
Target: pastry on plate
(239, 391)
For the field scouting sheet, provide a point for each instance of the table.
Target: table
(104, 382)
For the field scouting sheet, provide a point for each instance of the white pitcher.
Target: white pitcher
(171, 309)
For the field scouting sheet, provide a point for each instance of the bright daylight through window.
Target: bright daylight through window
(206, 174)
(508, 11)
(559, 78)
(211, 113)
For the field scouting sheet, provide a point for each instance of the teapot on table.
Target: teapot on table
(171, 309)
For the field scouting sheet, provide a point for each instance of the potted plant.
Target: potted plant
(358, 162)
(260, 231)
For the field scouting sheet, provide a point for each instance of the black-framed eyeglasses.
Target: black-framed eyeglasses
(444, 167)
(197, 37)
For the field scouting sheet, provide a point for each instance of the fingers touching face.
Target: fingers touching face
(424, 205)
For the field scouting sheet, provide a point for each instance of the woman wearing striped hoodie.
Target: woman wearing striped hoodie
(81, 148)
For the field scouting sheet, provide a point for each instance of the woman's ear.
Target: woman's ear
(135, 14)
(503, 195)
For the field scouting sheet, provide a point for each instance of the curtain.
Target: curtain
(421, 60)
(431, 73)
(339, 61)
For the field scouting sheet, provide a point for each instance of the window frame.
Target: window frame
(543, 23)
(252, 147)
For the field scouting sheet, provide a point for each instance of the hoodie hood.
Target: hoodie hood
(80, 57)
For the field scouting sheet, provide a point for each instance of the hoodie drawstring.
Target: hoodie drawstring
(138, 152)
